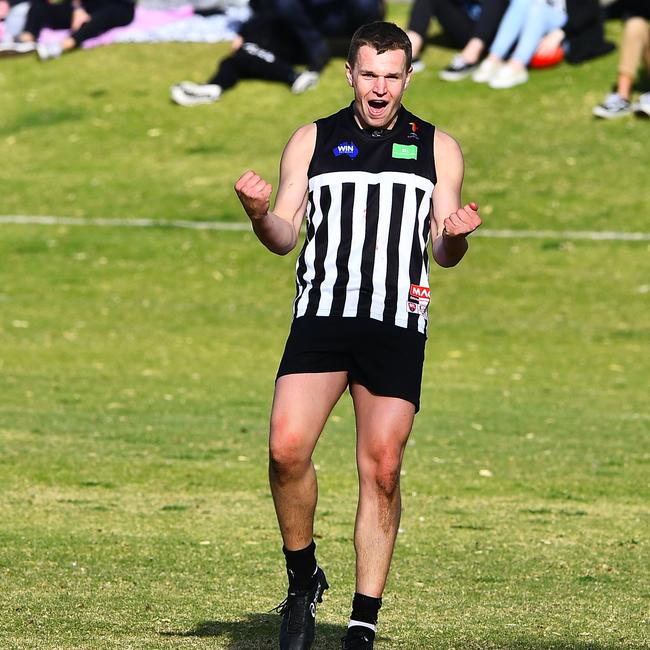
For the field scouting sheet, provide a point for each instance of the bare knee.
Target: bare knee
(636, 29)
(288, 457)
(382, 470)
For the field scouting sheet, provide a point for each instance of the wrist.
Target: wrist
(452, 240)
(259, 218)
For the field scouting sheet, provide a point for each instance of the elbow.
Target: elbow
(282, 248)
(447, 263)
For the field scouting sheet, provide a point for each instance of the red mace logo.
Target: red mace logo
(421, 293)
(414, 126)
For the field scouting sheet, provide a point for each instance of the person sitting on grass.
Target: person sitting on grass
(635, 53)
(314, 22)
(470, 26)
(264, 49)
(12, 15)
(84, 18)
(541, 27)
(524, 25)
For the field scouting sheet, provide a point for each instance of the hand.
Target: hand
(462, 222)
(236, 43)
(255, 194)
(549, 44)
(79, 17)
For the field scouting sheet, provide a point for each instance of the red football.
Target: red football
(546, 61)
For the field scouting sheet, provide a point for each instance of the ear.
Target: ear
(408, 78)
(348, 73)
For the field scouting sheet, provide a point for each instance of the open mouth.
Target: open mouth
(376, 106)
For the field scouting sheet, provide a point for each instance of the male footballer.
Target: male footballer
(376, 183)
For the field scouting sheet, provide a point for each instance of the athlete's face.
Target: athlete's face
(379, 81)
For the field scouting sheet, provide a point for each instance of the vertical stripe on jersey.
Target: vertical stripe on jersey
(309, 252)
(359, 210)
(425, 220)
(368, 251)
(330, 266)
(415, 264)
(339, 291)
(399, 212)
(320, 249)
(381, 251)
(301, 266)
(408, 226)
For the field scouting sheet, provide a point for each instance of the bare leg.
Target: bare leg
(416, 43)
(383, 428)
(471, 53)
(624, 86)
(635, 44)
(301, 406)
(68, 44)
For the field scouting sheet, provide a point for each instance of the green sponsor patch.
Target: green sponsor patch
(405, 151)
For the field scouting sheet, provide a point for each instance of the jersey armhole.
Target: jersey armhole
(434, 176)
(317, 145)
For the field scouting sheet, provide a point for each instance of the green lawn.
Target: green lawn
(137, 365)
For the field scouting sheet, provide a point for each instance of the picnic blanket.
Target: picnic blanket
(163, 25)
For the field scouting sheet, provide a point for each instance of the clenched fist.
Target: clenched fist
(255, 194)
(462, 222)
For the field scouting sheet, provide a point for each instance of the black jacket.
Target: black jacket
(584, 29)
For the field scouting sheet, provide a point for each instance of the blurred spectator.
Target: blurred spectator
(313, 21)
(264, 49)
(13, 14)
(524, 25)
(635, 53)
(84, 18)
(470, 26)
(542, 26)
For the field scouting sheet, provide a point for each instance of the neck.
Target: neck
(368, 127)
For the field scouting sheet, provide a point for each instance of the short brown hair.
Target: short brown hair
(382, 37)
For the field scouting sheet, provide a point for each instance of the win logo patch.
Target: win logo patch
(346, 149)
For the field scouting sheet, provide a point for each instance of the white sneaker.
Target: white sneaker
(642, 107)
(508, 77)
(611, 107)
(16, 48)
(190, 86)
(49, 51)
(304, 81)
(486, 71)
(190, 94)
(457, 69)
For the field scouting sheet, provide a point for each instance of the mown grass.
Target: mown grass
(136, 370)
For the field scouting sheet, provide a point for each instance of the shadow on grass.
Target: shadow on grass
(257, 631)
(560, 644)
(35, 119)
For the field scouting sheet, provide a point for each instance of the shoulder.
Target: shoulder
(448, 157)
(444, 145)
(306, 133)
(302, 142)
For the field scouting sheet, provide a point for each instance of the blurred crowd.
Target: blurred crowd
(496, 42)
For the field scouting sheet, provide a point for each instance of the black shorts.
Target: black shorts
(384, 358)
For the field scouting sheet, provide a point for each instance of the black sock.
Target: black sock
(301, 567)
(365, 610)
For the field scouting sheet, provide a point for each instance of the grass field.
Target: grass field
(136, 370)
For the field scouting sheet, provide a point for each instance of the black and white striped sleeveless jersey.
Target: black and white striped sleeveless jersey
(368, 222)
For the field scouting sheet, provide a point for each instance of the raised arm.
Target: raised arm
(279, 229)
(450, 223)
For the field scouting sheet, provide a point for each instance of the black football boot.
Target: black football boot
(298, 611)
